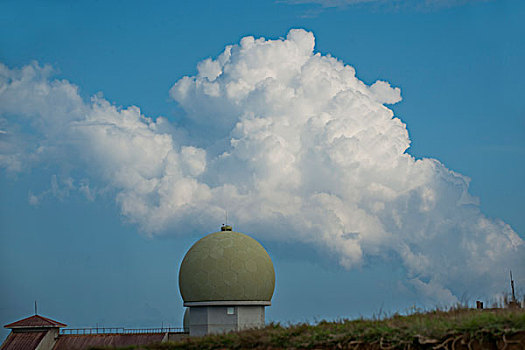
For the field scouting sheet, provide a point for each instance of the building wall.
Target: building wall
(198, 321)
(217, 319)
(49, 340)
(173, 336)
(250, 317)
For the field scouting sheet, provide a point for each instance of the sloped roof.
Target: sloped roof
(81, 342)
(35, 321)
(23, 341)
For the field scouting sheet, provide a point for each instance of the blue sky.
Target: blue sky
(97, 260)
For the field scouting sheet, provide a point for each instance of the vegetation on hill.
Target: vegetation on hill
(436, 329)
(453, 329)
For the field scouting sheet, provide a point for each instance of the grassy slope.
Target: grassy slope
(420, 330)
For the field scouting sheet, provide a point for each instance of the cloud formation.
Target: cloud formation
(294, 146)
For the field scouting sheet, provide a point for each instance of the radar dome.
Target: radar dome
(227, 266)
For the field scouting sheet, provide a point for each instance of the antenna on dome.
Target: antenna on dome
(225, 226)
(36, 313)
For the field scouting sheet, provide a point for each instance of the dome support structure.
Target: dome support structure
(227, 303)
(226, 280)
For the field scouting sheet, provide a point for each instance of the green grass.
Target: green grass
(415, 331)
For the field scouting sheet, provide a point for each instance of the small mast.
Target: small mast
(512, 288)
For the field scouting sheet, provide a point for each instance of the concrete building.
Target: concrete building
(41, 333)
(226, 280)
(34, 332)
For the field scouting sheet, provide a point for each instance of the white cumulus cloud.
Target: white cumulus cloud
(291, 143)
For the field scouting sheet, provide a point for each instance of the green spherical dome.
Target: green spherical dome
(226, 266)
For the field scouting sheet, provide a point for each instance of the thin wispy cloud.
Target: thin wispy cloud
(329, 3)
(423, 5)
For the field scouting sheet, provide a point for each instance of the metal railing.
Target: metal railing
(119, 330)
